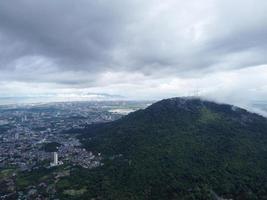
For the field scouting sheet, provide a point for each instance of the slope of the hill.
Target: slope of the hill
(179, 148)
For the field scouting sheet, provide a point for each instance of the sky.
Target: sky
(134, 49)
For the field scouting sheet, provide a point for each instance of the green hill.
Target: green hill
(178, 148)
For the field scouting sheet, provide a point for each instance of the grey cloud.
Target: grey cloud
(72, 34)
(92, 37)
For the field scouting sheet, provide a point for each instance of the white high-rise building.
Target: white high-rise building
(55, 155)
(55, 160)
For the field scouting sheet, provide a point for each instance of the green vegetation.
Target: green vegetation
(51, 146)
(207, 116)
(72, 192)
(42, 179)
(7, 172)
(25, 179)
(178, 149)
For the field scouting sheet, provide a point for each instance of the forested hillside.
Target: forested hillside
(178, 148)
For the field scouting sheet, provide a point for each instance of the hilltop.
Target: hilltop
(179, 148)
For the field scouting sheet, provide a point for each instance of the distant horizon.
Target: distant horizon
(255, 106)
(40, 100)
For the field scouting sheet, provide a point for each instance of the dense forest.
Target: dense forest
(177, 149)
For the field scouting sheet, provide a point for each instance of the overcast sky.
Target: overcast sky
(134, 49)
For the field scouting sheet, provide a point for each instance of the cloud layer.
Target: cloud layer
(139, 49)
